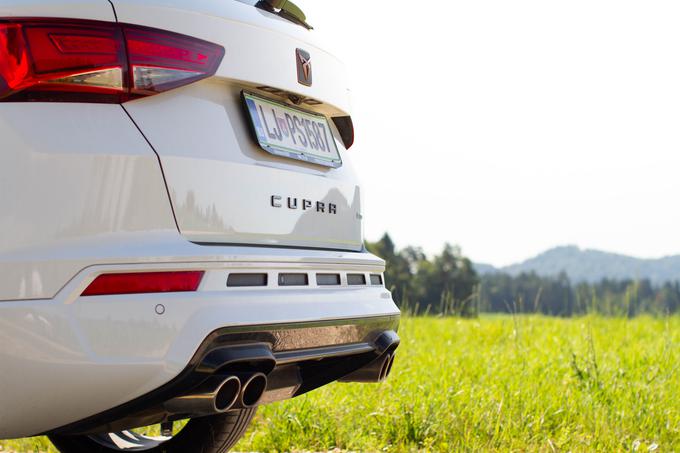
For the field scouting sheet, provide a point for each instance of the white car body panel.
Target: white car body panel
(83, 9)
(208, 168)
(70, 175)
(207, 165)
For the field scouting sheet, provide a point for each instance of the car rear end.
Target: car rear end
(179, 203)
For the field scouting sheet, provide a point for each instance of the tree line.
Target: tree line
(447, 284)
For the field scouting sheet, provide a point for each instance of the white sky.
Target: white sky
(509, 127)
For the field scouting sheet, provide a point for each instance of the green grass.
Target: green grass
(496, 383)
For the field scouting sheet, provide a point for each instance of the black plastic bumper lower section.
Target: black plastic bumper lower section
(295, 358)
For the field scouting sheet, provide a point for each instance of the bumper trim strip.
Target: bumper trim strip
(283, 358)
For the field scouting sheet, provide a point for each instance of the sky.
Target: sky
(512, 127)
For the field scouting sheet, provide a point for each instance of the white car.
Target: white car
(181, 227)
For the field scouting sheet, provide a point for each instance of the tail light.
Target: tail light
(88, 61)
(144, 282)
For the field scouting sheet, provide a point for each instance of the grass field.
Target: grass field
(496, 383)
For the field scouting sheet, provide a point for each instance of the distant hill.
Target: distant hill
(592, 266)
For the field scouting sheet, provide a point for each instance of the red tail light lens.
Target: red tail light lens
(88, 61)
(144, 282)
(161, 61)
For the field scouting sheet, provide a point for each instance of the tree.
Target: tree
(444, 285)
(398, 274)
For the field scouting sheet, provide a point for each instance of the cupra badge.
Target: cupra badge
(304, 67)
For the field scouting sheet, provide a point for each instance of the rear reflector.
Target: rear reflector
(144, 282)
(89, 61)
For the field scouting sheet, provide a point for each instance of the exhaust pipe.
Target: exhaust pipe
(216, 395)
(253, 387)
(376, 371)
(379, 368)
(227, 395)
(389, 367)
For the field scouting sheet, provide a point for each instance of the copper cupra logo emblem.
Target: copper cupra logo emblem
(304, 67)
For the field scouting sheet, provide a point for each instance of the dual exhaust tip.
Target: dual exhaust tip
(243, 391)
(387, 367)
(376, 371)
(219, 394)
(240, 392)
(379, 368)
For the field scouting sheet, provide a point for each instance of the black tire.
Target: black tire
(212, 434)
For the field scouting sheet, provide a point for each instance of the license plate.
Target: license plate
(290, 132)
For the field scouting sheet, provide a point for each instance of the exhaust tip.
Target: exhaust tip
(389, 365)
(384, 367)
(253, 389)
(227, 394)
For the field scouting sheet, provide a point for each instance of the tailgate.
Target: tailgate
(224, 187)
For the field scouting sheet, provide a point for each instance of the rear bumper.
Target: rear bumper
(69, 358)
(295, 358)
